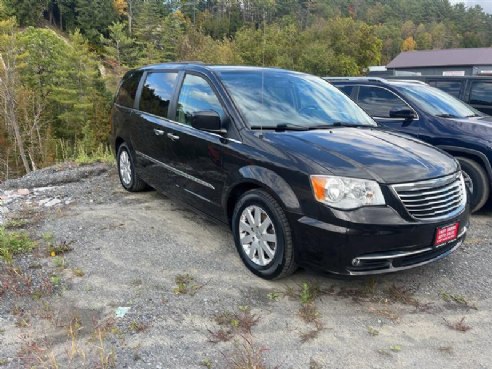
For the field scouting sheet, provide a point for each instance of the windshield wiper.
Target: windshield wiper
(349, 124)
(446, 115)
(473, 115)
(283, 127)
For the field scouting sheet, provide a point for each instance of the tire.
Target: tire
(274, 266)
(477, 181)
(126, 170)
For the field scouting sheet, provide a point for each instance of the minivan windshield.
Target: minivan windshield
(270, 99)
(436, 102)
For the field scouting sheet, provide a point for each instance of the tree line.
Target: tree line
(61, 59)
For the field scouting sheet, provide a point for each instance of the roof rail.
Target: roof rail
(189, 62)
(409, 81)
(374, 79)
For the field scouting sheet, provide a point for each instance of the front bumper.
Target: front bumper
(371, 241)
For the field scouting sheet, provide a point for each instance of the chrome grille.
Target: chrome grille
(434, 199)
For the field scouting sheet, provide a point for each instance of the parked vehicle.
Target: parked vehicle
(473, 90)
(425, 112)
(300, 173)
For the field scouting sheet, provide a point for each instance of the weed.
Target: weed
(446, 349)
(16, 223)
(78, 272)
(309, 293)
(232, 323)
(59, 262)
(102, 154)
(274, 296)
(14, 243)
(3, 362)
(309, 313)
(247, 355)
(385, 313)
(207, 363)
(313, 333)
(372, 331)
(61, 248)
(55, 280)
(457, 299)
(137, 327)
(395, 348)
(186, 285)
(459, 325)
(313, 364)
(23, 322)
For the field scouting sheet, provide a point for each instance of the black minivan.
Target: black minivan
(300, 173)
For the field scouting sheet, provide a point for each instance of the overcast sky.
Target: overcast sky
(485, 4)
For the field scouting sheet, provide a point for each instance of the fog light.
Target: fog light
(356, 262)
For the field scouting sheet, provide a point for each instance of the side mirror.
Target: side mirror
(405, 113)
(208, 121)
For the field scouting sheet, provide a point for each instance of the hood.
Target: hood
(366, 153)
(474, 127)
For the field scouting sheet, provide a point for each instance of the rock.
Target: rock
(23, 192)
(52, 202)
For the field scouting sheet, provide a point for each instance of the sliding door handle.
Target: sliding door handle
(158, 132)
(172, 137)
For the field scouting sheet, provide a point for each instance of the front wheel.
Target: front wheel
(477, 182)
(262, 235)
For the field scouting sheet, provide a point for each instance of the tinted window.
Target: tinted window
(157, 93)
(434, 101)
(378, 102)
(268, 98)
(128, 89)
(451, 87)
(196, 95)
(481, 93)
(347, 90)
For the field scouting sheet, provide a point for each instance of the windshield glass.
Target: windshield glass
(436, 102)
(270, 98)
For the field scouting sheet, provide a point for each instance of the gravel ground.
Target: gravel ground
(131, 250)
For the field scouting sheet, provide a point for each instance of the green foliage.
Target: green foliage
(14, 243)
(94, 17)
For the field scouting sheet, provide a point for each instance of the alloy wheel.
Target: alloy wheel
(125, 168)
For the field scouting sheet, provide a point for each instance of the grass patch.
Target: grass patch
(233, 323)
(247, 355)
(372, 331)
(186, 285)
(14, 243)
(457, 299)
(102, 154)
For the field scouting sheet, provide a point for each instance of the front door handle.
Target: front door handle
(158, 132)
(172, 137)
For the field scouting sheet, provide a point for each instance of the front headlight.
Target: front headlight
(346, 193)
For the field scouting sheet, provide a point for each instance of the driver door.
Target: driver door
(379, 101)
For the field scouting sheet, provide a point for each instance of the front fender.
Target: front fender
(268, 179)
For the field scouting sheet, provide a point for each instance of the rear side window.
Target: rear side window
(157, 93)
(481, 93)
(347, 90)
(451, 87)
(128, 89)
(378, 102)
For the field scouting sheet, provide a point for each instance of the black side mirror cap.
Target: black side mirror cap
(208, 120)
(405, 113)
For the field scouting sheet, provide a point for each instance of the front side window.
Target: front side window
(196, 95)
(435, 102)
(157, 93)
(269, 98)
(347, 90)
(128, 89)
(378, 102)
(481, 93)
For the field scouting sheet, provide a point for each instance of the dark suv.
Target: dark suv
(432, 115)
(300, 173)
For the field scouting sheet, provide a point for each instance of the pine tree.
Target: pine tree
(94, 17)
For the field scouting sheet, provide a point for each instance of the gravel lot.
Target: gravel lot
(192, 303)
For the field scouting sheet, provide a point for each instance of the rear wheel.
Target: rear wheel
(262, 235)
(477, 182)
(126, 170)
